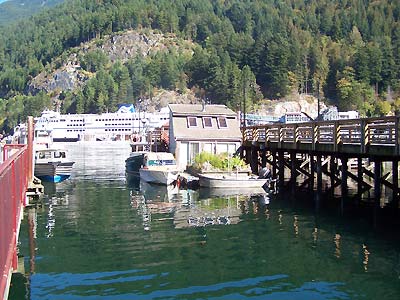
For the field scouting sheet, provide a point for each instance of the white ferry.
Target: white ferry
(118, 126)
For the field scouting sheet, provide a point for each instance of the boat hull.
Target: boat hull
(53, 171)
(165, 177)
(55, 178)
(230, 181)
(134, 163)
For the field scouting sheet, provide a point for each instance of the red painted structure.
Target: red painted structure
(15, 174)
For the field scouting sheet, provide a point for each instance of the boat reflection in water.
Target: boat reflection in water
(189, 208)
(56, 195)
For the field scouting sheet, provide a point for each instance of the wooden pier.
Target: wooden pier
(343, 150)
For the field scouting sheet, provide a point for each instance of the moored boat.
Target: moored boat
(227, 180)
(52, 165)
(134, 162)
(159, 167)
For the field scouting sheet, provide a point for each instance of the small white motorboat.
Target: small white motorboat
(231, 181)
(52, 164)
(159, 167)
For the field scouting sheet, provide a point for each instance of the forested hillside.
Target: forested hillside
(348, 51)
(12, 10)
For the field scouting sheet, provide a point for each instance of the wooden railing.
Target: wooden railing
(370, 136)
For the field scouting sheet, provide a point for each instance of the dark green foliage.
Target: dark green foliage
(10, 11)
(288, 45)
(206, 161)
(94, 61)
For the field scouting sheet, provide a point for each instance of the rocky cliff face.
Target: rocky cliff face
(70, 74)
(294, 103)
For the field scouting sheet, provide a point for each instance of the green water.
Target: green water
(99, 236)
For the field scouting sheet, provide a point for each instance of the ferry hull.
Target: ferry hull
(65, 139)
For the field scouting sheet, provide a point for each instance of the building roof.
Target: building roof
(197, 109)
(181, 130)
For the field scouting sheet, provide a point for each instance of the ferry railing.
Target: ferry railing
(363, 134)
(13, 185)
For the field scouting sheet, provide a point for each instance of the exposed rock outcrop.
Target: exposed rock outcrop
(120, 47)
(296, 103)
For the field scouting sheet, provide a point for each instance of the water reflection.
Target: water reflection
(120, 239)
(337, 245)
(365, 257)
(56, 194)
(193, 208)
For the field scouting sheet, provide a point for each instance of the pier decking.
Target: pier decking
(327, 147)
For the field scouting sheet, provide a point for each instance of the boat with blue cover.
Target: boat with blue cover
(52, 164)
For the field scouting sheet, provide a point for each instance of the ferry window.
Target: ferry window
(222, 122)
(207, 122)
(192, 121)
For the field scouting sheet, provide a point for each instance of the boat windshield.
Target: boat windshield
(161, 162)
(59, 154)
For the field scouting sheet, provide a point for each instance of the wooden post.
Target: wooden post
(242, 150)
(332, 169)
(315, 130)
(281, 162)
(312, 171)
(397, 135)
(249, 150)
(344, 176)
(395, 167)
(364, 136)
(293, 166)
(296, 135)
(280, 136)
(263, 157)
(274, 164)
(337, 140)
(30, 148)
(254, 159)
(319, 174)
(360, 175)
(377, 180)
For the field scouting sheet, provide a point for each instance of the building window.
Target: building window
(222, 122)
(192, 121)
(207, 122)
